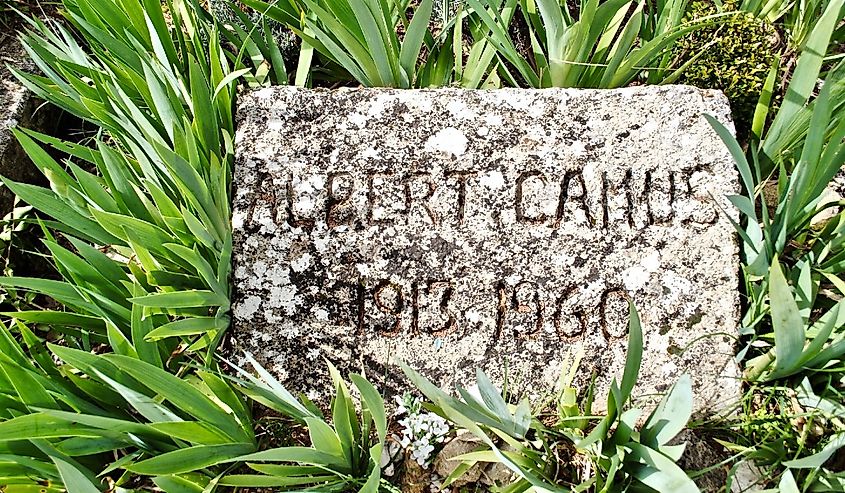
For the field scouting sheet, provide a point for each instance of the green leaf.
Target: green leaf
(49, 203)
(343, 418)
(146, 406)
(787, 483)
(414, 37)
(119, 343)
(59, 318)
(111, 425)
(82, 446)
(188, 326)
(186, 483)
(817, 460)
(37, 425)
(74, 480)
(786, 322)
(182, 299)
(30, 391)
(374, 479)
(323, 438)
(180, 393)
(670, 416)
(659, 472)
(192, 432)
(190, 459)
(301, 455)
(805, 75)
(258, 481)
(492, 398)
(634, 357)
(373, 402)
(140, 327)
(285, 470)
(275, 394)
(736, 152)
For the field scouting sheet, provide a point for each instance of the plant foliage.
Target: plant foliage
(622, 456)
(343, 456)
(146, 209)
(74, 422)
(116, 385)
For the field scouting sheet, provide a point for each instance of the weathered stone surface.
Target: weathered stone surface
(19, 108)
(500, 230)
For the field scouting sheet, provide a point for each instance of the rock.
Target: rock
(701, 453)
(748, 478)
(501, 230)
(833, 193)
(462, 444)
(415, 478)
(486, 473)
(498, 475)
(21, 109)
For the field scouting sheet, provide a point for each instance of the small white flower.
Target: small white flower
(420, 431)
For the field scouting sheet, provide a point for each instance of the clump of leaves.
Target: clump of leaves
(733, 55)
(69, 418)
(806, 328)
(150, 230)
(343, 456)
(622, 456)
(794, 320)
(374, 42)
(363, 38)
(138, 227)
(797, 18)
(599, 44)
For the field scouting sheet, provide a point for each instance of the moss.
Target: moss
(736, 54)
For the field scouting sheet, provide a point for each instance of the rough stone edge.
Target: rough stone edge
(20, 109)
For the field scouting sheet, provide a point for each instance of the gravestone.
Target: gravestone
(502, 230)
(19, 109)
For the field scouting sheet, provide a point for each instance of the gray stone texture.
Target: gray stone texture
(18, 107)
(501, 230)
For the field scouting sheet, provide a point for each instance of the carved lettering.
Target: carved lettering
(526, 301)
(446, 290)
(501, 310)
(661, 199)
(569, 321)
(268, 204)
(337, 198)
(389, 300)
(361, 306)
(521, 312)
(372, 197)
(613, 313)
(703, 213)
(461, 177)
(629, 199)
(521, 215)
(579, 201)
(293, 220)
(425, 178)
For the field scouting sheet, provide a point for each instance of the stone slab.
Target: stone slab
(18, 107)
(501, 230)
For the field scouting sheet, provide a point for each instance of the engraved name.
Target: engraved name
(346, 199)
